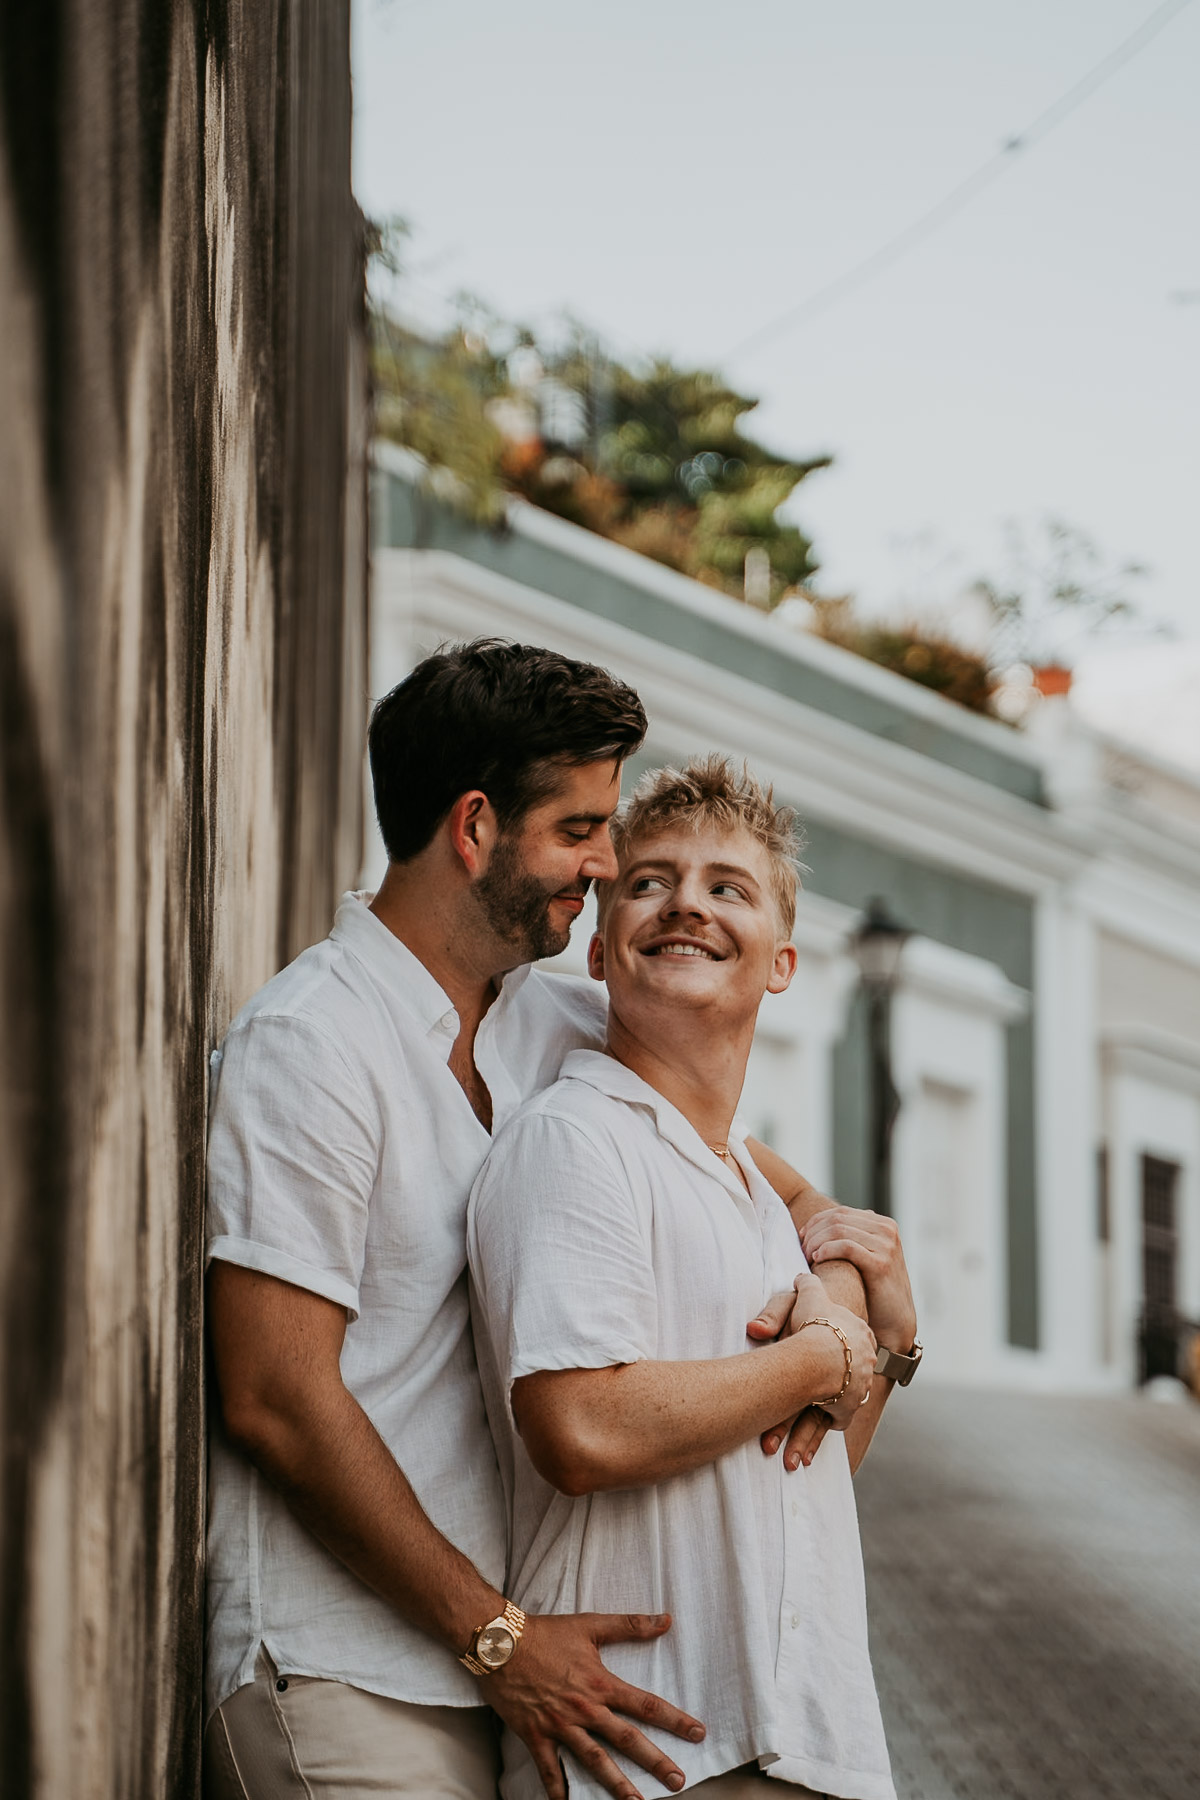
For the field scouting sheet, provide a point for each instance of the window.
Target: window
(1160, 1256)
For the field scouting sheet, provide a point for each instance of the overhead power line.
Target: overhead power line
(961, 196)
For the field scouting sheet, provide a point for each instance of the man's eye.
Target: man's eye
(644, 883)
(727, 888)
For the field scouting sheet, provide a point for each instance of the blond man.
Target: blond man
(620, 1236)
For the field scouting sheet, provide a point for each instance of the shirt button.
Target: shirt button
(795, 1509)
(795, 1621)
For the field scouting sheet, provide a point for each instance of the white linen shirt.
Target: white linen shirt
(602, 1230)
(342, 1150)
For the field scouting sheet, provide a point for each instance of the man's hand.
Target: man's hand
(872, 1243)
(784, 1314)
(556, 1691)
(801, 1435)
(810, 1301)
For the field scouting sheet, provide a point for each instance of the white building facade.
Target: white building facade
(1046, 1026)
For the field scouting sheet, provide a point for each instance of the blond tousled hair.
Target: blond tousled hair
(708, 790)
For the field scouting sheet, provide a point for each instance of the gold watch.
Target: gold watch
(493, 1644)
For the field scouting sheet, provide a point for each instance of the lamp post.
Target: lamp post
(877, 945)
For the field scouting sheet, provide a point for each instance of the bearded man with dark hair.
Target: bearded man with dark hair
(358, 1628)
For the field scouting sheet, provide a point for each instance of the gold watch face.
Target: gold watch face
(495, 1645)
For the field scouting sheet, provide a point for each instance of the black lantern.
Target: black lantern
(877, 946)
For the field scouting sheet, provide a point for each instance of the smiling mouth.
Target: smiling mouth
(678, 949)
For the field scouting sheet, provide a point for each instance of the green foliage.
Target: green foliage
(911, 650)
(655, 458)
(659, 458)
(934, 662)
(433, 399)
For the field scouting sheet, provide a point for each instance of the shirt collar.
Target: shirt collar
(401, 974)
(605, 1073)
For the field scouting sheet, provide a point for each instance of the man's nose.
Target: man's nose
(601, 861)
(687, 896)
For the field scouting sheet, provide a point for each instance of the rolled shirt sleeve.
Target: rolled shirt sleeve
(560, 1254)
(292, 1159)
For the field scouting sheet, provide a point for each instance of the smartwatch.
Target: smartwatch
(897, 1366)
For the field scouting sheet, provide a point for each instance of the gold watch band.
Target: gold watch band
(514, 1618)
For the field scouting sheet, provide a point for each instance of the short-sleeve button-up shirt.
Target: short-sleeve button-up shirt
(602, 1230)
(341, 1154)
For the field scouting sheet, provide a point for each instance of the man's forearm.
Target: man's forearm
(844, 1285)
(589, 1430)
(859, 1434)
(341, 1481)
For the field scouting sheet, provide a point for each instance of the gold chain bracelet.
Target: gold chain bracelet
(846, 1352)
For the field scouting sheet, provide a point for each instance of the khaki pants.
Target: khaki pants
(298, 1738)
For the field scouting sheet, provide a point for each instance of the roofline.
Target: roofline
(635, 570)
(886, 791)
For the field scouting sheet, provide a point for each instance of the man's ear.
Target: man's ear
(472, 830)
(783, 968)
(595, 957)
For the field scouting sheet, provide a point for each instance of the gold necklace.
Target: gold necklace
(730, 1161)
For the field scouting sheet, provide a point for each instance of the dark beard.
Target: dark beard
(517, 906)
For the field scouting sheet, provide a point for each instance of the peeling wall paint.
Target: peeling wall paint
(182, 694)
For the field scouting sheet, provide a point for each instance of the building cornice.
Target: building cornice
(1151, 1055)
(1126, 898)
(834, 771)
(937, 972)
(577, 567)
(1091, 814)
(840, 664)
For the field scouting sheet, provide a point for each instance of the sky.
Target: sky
(678, 175)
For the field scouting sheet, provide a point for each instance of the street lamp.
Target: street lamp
(877, 945)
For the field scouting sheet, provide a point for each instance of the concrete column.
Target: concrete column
(1068, 1113)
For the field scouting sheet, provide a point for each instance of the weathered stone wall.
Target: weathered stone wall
(182, 680)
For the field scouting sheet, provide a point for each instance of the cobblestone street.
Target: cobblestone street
(1033, 1570)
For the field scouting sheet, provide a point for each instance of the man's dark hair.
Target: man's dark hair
(508, 719)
